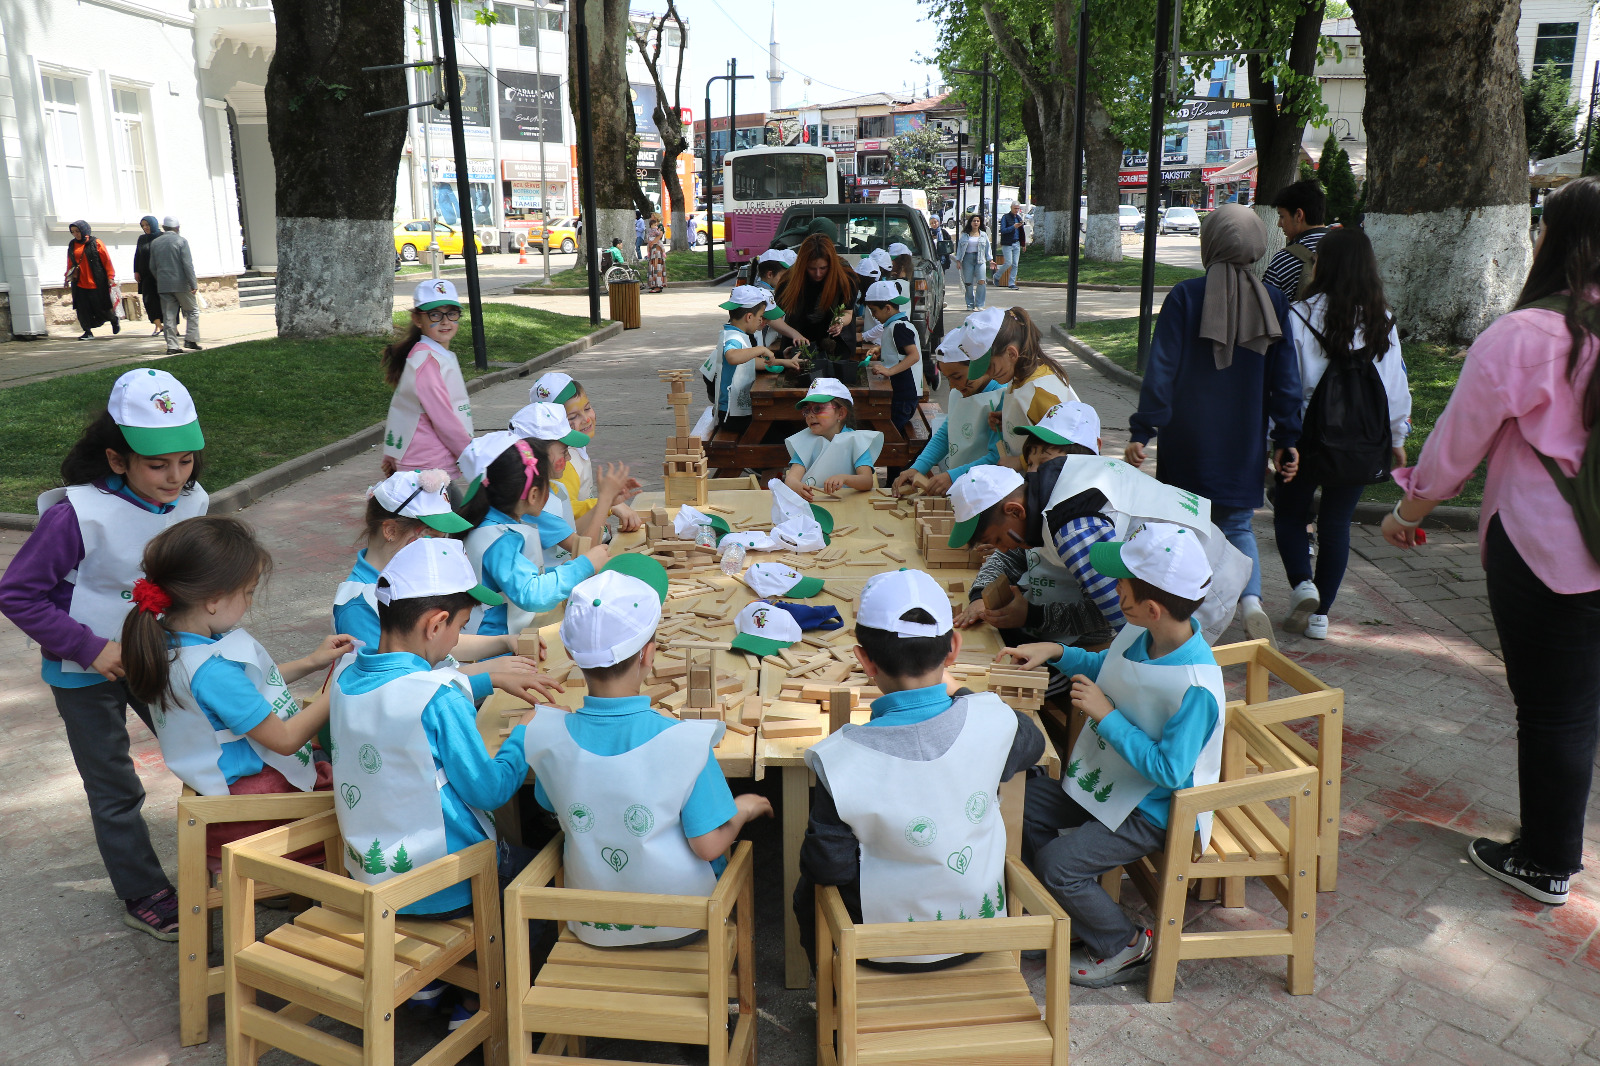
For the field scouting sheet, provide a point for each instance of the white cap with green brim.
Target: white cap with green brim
(613, 614)
(775, 579)
(882, 257)
(824, 389)
(420, 494)
(794, 519)
(1072, 422)
(887, 598)
(897, 249)
(973, 493)
(885, 292)
(155, 413)
(781, 256)
(432, 566)
(554, 387)
(435, 292)
(949, 350)
(481, 451)
(688, 520)
(547, 421)
(763, 629)
(867, 267)
(980, 329)
(1166, 555)
(744, 297)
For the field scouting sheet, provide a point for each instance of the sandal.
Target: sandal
(155, 914)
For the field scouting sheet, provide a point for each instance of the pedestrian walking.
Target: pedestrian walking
(1526, 401)
(1355, 414)
(93, 281)
(1302, 209)
(1222, 336)
(640, 228)
(179, 288)
(145, 277)
(656, 254)
(1013, 239)
(977, 259)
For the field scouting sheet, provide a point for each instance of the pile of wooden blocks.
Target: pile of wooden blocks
(933, 541)
(1022, 690)
(685, 464)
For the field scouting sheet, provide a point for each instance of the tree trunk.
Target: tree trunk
(1278, 129)
(611, 119)
(1447, 166)
(335, 169)
(1102, 240)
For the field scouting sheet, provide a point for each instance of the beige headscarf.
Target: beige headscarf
(1237, 309)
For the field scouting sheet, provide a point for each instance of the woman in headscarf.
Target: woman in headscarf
(92, 279)
(818, 299)
(144, 275)
(1222, 363)
(656, 255)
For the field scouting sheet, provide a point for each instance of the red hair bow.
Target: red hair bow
(148, 596)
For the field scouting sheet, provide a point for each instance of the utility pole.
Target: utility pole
(731, 78)
(983, 137)
(427, 140)
(1152, 195)
(1594, 86)
(586, 150)
(538, 103)
(1080, 108)
(458, 135)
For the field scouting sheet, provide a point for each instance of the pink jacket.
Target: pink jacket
(439, 436)
(1514, 392)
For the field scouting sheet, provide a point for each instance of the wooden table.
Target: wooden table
(751, 756)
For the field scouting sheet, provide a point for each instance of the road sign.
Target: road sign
(957, 174)
(988, 175)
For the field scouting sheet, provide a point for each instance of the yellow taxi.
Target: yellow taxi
(561, 233)
(699, 226)
(411, 240)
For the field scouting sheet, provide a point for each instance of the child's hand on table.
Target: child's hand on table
(938, 485)
(628, 519)
(598, 556)
(834, 484)
(970, 615)
(1027, 656)
(1087, 697)
(805, 493)
(519, 676)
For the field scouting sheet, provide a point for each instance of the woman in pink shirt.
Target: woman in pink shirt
(430, 417)
(1529, 387)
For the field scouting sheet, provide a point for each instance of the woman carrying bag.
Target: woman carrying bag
(93, 281)
(1528, 393)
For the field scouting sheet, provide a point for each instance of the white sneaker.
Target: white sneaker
(1317, 627)
(1257, 625)
(1302, 601)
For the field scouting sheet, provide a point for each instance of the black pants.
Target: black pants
(1551, 644)
(1291, 512)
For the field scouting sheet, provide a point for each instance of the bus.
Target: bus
(759, 183)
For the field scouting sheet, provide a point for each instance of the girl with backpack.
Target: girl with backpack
(1529, 395)
(1355, 415)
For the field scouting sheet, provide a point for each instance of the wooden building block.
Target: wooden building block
(702, 690)
(896, 556)
(751, 709)
(840, 704)
(791, 727)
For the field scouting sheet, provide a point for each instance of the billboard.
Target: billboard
(644, 107)
(520, 101)
(474, 98)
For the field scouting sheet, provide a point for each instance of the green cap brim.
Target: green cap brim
(899, 299)
(567, 393)
(1106, 557)
(822, 397)
(805, 587)
(472, 488)
(758, 645)
(435, 304)
(961, 533)
(164, 440)
(978, 367)
(575, 439)
(643, 567)
(482, 594)
(1049, 436)
(446, 522)
(719, 524)
(729, 305)
(772, 312)
(825, 520)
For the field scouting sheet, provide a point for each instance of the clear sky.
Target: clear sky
(855, 46)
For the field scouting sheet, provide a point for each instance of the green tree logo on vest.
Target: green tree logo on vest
(304, 755)
(160, 717)
(920, 832)
(960, 860)
(1189, 502)
(639, 819)
(580, 819)
(373, 863)
(986, 908)
(402, 861)
(392, 441)
(977, 806)
(350, 794)
(355, 856)
(615, 858)
(369, 759)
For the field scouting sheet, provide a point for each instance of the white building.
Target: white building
(1563, 31)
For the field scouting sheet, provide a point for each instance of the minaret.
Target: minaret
(774, 70)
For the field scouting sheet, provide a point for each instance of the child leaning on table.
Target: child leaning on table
(582, 483)
(828, 454)
(901, 351)
(964, 439)
(640, 796)
(905, 819)
(1154, 700)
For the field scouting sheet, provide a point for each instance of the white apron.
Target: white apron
(1014, 411)
(405, 410)
(354, 590)
(894, 356)
(478, 542)
(1102, 781)
(833, 457)
(386, 786)
(622, 816)
(711, 369)
(114, 532)
(744, 376)
(192, 747)
(559, 503)
(1045, 581)
(933, 844)
(967, 428)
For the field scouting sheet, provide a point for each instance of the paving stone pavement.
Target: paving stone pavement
(1420, 959)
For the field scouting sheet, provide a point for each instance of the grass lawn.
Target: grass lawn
(686, 265)
(1036, 266)
(261, 402)
(1430, 368)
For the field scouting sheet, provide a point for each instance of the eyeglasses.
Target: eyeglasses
(452, 315)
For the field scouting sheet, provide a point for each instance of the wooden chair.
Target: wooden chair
(679, 995)
(200, 893)
(978, 1012)
(1247, 840)
(354, 958)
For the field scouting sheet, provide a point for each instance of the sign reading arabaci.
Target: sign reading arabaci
(520, 107)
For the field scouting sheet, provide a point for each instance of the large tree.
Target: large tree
(1447, 165)
(611, 117)
(1116, 116)
(668, 114)
(335, 168)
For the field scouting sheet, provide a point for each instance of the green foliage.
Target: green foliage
(1339, 182)
(373, 863)
(402, 861)
(485, 15)
(1549, 113)
(316, 84)
(914, 160)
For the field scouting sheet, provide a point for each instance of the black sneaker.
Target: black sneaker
(1502, 862)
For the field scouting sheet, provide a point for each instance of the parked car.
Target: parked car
(1180, 220)
(561, 234)
(1128, 216)
(699, 226)
(411, 240)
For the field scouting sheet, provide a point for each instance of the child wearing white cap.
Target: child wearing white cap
(642, 801)
(545, 427)
(901, 347)
(1008, 345)
(509, 487)
(828, 454)
(964, 439)
(771, 268)
(430, 416)
(1154, 700)
(579, 475)
(133, 472)
(904, 266)
(731, 369)
(906, 817)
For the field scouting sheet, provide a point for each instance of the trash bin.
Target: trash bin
(622, 285)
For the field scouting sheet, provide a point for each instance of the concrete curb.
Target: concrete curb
(552, 290)
(242, 494)
(1368, 512)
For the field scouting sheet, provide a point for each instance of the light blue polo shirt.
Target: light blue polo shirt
(225, 693)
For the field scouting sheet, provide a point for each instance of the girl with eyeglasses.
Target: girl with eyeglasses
(430, 417)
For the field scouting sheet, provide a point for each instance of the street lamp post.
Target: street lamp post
(586, 148)
(1152, 196)
(731, 77)
(983, 133)
(1080, 109)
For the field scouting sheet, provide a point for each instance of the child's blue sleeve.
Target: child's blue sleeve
(224, 692)
(934, 450)
(710, 804)
(866, 444)
(480, 780)
(1169, 761)
(524, 585)
(553, 529)
(358, 620)
(1077, 661)
(482, 687)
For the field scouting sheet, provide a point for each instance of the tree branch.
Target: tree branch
(1013, 50)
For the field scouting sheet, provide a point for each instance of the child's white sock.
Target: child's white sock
(1249, 602)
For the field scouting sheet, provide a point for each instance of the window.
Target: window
(133, 186)
(1221, 78)
(674, 39)
(63, 146)
(1217, 141)
(1177, 142)
(1556, 42)
(780, 176)
(877, 126)
(842, 131)
(876, 166)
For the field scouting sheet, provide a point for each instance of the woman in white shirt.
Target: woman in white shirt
(1344, 305)
(977, 259)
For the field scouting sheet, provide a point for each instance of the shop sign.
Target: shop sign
(520, 106)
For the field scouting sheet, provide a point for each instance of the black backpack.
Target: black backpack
(1344, 438)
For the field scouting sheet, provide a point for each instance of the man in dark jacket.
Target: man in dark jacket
(1013, 239)
(175, 278)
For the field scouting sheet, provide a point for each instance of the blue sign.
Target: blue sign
(988, 175)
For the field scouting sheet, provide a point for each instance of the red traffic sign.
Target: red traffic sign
(957, 174)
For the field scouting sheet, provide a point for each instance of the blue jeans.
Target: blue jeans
(1235, 525)
(975, 276)
(1010, 254)
(1292, 510)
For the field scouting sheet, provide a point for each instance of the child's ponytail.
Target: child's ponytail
(1018, 328)
(507, 481)
(185, 565)
(394, 355)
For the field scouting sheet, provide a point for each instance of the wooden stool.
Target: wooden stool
(678, 995)
(199, 894)
(980, 1011)
(354, 958)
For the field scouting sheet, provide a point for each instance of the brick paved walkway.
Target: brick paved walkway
(1420, 959)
